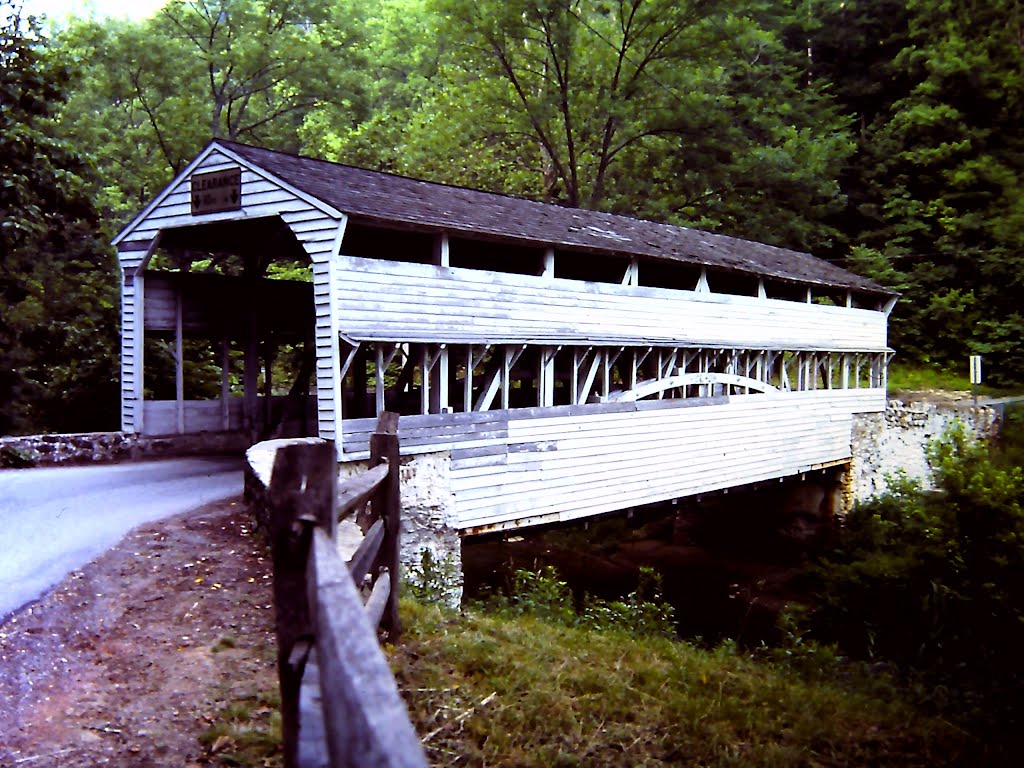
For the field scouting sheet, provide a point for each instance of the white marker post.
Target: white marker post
(975, 375)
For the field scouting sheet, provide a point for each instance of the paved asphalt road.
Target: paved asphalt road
(54, 520)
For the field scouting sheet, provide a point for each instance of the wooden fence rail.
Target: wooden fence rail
(340, 705)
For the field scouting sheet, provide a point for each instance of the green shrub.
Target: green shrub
(637, 614)
(12, 457)
(541, 594)
(434, 579)
(932, 582)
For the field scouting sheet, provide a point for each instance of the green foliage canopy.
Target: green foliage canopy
(936, 188)
(690, 112)
(58, 330)
(153, 93)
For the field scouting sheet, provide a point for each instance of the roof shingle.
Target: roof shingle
(387, 197)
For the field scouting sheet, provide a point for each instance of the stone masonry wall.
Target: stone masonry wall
(896, 439)
(428, 520)
(95, 447)
(427, 514)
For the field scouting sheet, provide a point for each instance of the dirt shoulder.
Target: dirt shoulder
(141, 657)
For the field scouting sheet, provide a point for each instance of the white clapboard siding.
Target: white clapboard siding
(161, 416)
(313, 223)
(531, 465)
(316, 226)
(585, 466)
(325, 336)
(382, 300)
(131, 342)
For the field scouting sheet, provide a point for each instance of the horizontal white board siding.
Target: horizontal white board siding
(549, 464)
(383, 300)
(261, 196)
(131, 342)
(161, 416)
(576, 466)
(433, 433)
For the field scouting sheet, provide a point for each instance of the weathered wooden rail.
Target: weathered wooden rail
(340, 705)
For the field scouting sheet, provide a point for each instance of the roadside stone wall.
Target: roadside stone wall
(428, 523)
(896, 439)
(428, 520)
(97, 447)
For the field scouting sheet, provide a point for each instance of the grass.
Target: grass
(904, 377)
(247, 732)
(224, 642)
(488, 690)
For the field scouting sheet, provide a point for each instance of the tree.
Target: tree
(937, 187)
(403, 44)
(57, 286)
(689, 112)
(153, 93)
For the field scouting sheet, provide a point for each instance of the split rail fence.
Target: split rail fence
(340, 705)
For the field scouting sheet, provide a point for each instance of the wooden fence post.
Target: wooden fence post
(301, 495)
(384, 446)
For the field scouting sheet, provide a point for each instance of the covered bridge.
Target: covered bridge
(563, 363)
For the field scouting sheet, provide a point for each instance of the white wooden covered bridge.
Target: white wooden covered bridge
(569, 362)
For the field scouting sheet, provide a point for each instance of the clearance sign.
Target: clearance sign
(216, 191)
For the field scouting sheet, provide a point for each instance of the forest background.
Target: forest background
(884, 136)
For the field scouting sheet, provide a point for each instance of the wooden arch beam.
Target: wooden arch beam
(651, 388)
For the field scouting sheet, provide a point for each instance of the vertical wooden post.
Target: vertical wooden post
(425, 380)
(252, 365)
(179, 360)
(467, 389)
(359, 382)
(439, 381)
(442, 251)
(268, 384)
(661, 374)
(506, 376)
(378, 384)
(574, 381)
(702, 282)
(138, 347)
(301, 495)
(384, 447)
(546, 377)
(549, 264)
(606, 374)
(225, 384)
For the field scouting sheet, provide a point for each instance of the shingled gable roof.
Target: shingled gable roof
(389, 198)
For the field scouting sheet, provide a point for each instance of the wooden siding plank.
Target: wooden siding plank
(454, 293)
(733, 442)
(388, 299)
(582, 494)
(735, 452)
(428, 277)
(697, 450)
